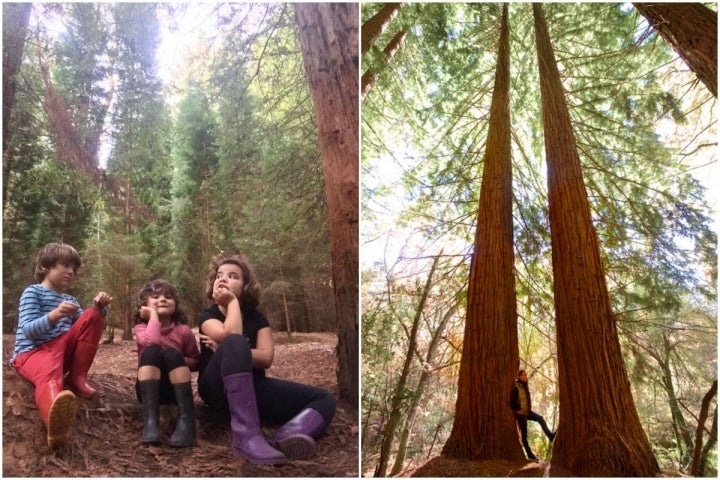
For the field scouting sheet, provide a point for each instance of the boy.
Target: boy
(56, 336)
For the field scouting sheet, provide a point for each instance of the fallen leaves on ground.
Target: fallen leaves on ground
(105, 438)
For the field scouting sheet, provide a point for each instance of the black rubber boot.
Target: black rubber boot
(184, 434)
(530, 454)
(150, 394)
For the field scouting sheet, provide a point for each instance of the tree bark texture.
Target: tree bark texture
(691, 30)
(374, 27)
(484, 427)
(15, 22)
(368, 77)
(599, 432)
(328, 37)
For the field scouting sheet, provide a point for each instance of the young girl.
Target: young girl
(55, 336)
(236, 349)
(167, 352)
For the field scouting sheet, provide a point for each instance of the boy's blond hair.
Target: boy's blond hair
(53, 253)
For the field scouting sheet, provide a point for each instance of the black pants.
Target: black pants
(166, 360)
(522, 424)
(278, 400)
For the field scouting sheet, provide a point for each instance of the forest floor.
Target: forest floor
(105, 438)
(453, 467)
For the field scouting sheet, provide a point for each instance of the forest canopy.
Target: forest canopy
(645, 128)
(153, 137)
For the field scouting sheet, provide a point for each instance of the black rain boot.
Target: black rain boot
(150, 394)
(184, 434)
(530, 454)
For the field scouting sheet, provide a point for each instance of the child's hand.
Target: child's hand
(222, 296)
(208, 342)
(64, 309)
(101, 301)
(146, 313)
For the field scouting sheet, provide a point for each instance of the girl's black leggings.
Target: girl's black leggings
(278, 400)
(166, 360)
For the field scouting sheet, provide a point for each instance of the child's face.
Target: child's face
(229, 276)
(163, 303)
(60, 277)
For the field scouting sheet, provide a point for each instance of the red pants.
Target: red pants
(51, 360)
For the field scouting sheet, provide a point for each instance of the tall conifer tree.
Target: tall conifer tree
(599, 432)
(329, 36)
(484, 427)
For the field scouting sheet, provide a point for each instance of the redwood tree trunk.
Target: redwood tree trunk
(691, 30)
(599, 432)
(484, 426)
(329, 36)
(368, 77)
(372, 29)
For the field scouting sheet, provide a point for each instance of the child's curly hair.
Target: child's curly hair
(159, 286)
(252, 289)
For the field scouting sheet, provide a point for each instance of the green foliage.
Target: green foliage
(49, 203)
(81, 54)
(114, 263)
(140, 118)
(269, 167)
(233, 166)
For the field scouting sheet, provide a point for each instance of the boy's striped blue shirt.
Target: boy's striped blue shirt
(34, 327)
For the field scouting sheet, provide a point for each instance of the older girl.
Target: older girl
(236, 349)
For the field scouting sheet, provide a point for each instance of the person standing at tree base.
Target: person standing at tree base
(522, 408)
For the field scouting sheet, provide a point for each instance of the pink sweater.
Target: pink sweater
(177, 336)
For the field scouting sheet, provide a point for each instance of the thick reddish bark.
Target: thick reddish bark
(368, 77)
(372, 29)
(329, 36)
(599, 433)
(691, 30)
(484, 426)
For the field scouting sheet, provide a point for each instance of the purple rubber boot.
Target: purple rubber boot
(296, 439)
(248, 440)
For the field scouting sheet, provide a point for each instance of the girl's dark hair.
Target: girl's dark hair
(162, 287)
(252, 289)
(52, 254)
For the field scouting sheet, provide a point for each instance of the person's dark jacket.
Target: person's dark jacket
(515, 396)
